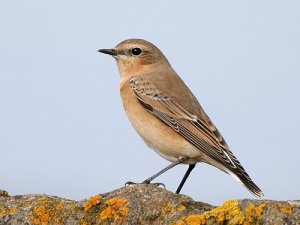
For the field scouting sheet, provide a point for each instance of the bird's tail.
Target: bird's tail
(246, 181)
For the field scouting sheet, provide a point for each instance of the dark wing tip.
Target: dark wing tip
(252, 187)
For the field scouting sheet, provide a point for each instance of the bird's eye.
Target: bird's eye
(136, 51)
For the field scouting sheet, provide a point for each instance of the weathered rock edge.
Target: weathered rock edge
(142, 204)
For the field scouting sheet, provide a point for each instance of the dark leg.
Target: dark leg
(186, 175)
(147, 181)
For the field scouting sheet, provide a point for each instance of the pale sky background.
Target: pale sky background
(63, 130)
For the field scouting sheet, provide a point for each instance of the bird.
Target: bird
(167, 115)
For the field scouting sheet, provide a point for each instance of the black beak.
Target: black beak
(108, 51)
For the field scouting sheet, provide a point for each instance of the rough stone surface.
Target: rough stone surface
(142, 204)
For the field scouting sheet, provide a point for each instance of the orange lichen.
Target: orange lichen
(13, 210)
(89, 203)
(7, 211)
(286, 208)
(116, 209)
(40, 216)
(253, 213)
(47, 211)
(192, 220)
(166, 207)
(59, 207)
(180, 208)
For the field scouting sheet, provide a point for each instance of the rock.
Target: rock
(142, 204)
(3, 193)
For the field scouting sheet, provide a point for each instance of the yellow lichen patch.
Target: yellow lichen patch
(260, 209)
(116, 209)
(253, 212)
(7, 211)
(286, 208)
(229, 212)
(89, 203)
(42, 199)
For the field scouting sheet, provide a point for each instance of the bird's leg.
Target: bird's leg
(147, 181)
(186, 175)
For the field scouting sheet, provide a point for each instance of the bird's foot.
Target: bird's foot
(156, 184)
(128, 183)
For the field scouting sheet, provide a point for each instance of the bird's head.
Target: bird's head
(135, 56)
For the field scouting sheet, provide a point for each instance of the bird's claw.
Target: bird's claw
(128, 183)
(160, 184)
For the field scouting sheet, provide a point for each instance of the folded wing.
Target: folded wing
(198, 131)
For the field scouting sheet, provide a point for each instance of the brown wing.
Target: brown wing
(199, 132)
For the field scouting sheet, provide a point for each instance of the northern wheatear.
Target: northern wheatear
(167, 115)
